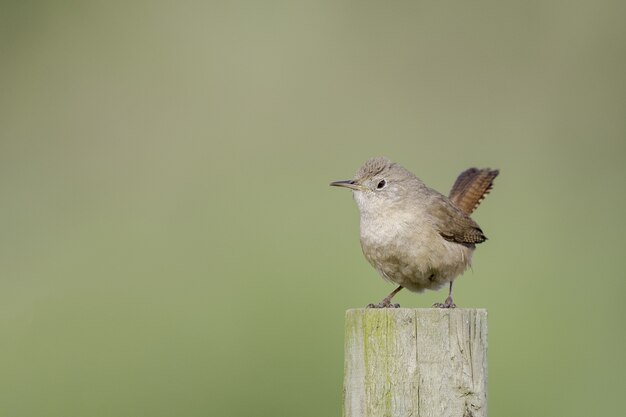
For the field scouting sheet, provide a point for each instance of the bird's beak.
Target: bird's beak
(347, 184)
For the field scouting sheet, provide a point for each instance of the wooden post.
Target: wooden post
(426, 362)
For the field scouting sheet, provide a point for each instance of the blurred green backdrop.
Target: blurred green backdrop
(169, 245)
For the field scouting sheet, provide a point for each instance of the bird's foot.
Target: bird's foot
(384, 304)
(446, 304)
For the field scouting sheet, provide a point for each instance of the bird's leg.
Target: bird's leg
(448, 303)
(386, 303)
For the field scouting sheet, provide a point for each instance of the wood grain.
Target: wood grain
(415, 362)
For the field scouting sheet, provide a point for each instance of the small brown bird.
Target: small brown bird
(413, 235)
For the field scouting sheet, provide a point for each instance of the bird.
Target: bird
(413, 235)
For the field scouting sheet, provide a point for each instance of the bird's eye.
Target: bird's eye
(381, 184)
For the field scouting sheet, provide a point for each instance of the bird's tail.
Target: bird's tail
(471, 187)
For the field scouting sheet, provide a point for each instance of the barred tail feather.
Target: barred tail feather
(471, 187)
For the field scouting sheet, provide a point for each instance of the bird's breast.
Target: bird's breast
(407, 250)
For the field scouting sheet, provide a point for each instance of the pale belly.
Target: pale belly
(407, 261)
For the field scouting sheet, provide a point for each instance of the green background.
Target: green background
(169, 245)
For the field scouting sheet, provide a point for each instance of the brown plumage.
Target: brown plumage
(471, 187)
(413, 235)
(453, 224)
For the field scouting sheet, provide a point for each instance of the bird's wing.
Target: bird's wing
(471, 187)
(453, 224)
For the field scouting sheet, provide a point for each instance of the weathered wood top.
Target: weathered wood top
(415, 362)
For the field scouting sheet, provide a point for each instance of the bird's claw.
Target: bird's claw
(446, 304)
(383, 304)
